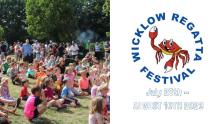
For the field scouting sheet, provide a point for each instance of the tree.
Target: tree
(95, 16)
(54, 19)
(1, 33)
(106, 8)
(12, 19)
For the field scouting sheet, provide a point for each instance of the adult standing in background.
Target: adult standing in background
(74, 50)
(27, 52)
(97, 51)
(107, 49)
(3, 49)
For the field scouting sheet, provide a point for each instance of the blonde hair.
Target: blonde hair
(67, 69)
(103, 86)
(96, 105)
(3, 80)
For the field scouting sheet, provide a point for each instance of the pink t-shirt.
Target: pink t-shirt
(84, 83)
(70, 76)
(29, 107)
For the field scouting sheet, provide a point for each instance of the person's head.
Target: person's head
(4, 81)
(52, 57)
(27, 40)
(61, 61)
(30, 66)
(72, 65)
(8, 59)
(68, 70)
(48, 82)
(36, 91)
(41, 68)
(57, 70)
(103, 89)
(67, 82)
(83, 73)
(97, 81)
(12, 65)
(97, 105)
(25, 83)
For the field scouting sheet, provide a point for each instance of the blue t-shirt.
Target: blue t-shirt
(67, 92)
(27, 49)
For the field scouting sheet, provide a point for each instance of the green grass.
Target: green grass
(52, 116)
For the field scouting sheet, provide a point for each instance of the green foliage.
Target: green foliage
(107, 34)
(106, 8)
(1, 33)
(59, 20)
(94, 18)
(53, 19)
(12, 19)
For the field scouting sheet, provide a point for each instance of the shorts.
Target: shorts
(87, 90)
(36, 114)
(24, 98)
(68, 102)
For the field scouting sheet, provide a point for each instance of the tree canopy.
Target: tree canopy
(58, 20)
(12, 19)
(61, 19)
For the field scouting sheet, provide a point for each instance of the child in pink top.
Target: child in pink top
(49, 94)
(69, 74)
(36, 104)
(84, 82)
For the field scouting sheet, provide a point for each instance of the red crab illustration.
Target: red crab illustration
(168, 47)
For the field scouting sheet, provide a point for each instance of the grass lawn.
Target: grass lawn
(52, 116)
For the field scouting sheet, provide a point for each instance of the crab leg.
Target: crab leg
(177, 61)
(185, 57)
(183, 60)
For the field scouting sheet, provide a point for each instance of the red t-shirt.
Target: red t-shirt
(23, 92)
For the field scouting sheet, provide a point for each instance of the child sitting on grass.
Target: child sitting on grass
(5, 96)
(6, 65)
(36, 104)
(30, 72)
(40, 75)
(68, 95)
(52, 100)
(84, 85)
(103, 92)
(96, 108)
(24, 94)
(13, 74)
(58, 83)
(95, 86)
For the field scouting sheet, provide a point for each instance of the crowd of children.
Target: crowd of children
(60, 76)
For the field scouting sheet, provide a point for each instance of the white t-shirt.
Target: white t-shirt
(96, 119)
(74, 50)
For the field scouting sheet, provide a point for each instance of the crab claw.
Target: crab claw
(168, 69)
(169, 65)
(153, 32)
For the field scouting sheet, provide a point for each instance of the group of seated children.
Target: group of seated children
(56, 87)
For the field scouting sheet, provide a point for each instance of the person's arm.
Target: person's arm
(0, 90)
(43, 98)
(79, 84)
